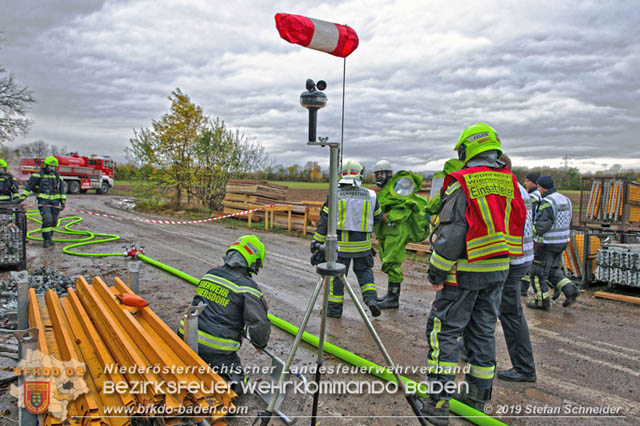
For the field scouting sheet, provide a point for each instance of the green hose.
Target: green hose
(384, 373)
(87, 237)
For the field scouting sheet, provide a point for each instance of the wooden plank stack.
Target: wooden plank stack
(243, 194)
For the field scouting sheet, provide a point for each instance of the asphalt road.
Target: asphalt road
(587, 355)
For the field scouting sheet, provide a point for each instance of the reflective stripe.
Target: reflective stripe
(368, 287)
(435, 345)
(452, 279)
(486, 239)
(325, 209)
(451, 188)
(5, 197)
(482, 372)
(214, 342)
(377, 212)
(496, 247)
(562, 283)
(562, 212)
(342, 213)
(231, 286)
(335, 298)
(486, 215)
(26, 192)
(365, 216)
(440, 262)
(319, 237)
(485, 265)
(51, 196)
(354, 246)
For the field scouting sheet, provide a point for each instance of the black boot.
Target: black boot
(475, 398)
(545, 305)
(571, 293)
(372, 304)
(392, 299)
(47, 243)
(512, 375)
(435, 411)
(334, 310)
(524, 288)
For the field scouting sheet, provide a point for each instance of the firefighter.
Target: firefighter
(52, 196)
(531, 185)
(404, 222)
(514, 324)
(481, 225)
(551, 235)
(234, 302)
(9, 188)
(433, 205)
(358, 211)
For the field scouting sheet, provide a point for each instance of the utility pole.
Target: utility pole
(566, 159)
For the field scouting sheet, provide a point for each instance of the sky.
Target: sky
(554, 78)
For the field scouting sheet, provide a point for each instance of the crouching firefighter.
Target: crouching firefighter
(234, 302)
(358, 211)
(404, 222)
(481, 225)
(52, 196)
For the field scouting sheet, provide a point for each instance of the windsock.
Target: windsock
(335, 39)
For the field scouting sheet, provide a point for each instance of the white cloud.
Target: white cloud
(553, 78)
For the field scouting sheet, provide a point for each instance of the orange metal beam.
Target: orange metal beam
(35, 320)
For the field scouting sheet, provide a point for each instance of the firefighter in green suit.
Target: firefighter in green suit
(405, 222)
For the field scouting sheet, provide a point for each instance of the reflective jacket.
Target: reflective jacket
(495, 212)
(553, 219)
(449, 262)
(527, 237)
(8, 186)
(233, 301)
(358, 211)
(535, 201)
(49, 186)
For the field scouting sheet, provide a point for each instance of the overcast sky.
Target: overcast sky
(554, 78)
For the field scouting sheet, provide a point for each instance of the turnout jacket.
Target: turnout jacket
(49, 186)
(8, 186)
(358, 212)
(233, 301)
(457, 258)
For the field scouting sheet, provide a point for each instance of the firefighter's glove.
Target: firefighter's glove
(62, 206)
(373, 252)
(436, 276)
(317, 258)
(315, 246)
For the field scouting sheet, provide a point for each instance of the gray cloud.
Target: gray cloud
(553, 79)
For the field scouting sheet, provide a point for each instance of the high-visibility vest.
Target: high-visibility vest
(495, 213)
(562, 211)
(356, 207)
(527, 237)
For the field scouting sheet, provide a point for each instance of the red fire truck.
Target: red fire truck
(79, 173)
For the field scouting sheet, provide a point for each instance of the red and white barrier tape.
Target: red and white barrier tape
(158, 221)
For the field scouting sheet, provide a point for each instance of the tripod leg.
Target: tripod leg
(412, 399)
(266, 415)
(323, 324)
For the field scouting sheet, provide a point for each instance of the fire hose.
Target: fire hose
(87, 238)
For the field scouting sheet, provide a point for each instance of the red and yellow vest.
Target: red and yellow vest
(495, 212)
(495, 215)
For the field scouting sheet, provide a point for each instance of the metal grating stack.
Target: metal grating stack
(619, 264)
(613, 200)
(13, 231)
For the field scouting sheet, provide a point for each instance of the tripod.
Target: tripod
(314, 100)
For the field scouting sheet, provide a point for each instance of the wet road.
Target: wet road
(587, 355)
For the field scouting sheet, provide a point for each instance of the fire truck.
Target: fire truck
(79, 173)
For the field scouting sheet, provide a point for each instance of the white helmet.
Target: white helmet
(382, 166)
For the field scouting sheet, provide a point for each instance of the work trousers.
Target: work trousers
(392, 248)
(362, 268)
(514, 324)
(49, 219)
(546, 270)
(471, 314)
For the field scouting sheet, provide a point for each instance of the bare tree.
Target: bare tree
(14, 105)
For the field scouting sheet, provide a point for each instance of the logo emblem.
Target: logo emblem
(36, 397)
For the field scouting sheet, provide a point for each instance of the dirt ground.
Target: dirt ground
(586, 355)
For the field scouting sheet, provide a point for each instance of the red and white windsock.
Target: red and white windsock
(335, 39)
